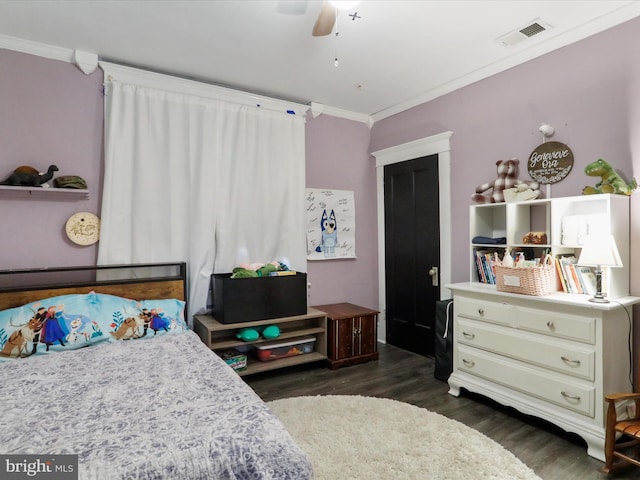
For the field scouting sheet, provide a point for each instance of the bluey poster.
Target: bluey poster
(331, 224)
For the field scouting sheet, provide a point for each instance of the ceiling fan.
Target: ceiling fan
(328, 13)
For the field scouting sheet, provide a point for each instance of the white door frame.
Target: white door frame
(437, 144)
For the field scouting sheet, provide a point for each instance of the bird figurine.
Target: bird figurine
(26, 176)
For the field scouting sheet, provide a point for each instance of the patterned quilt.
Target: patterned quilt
(165, 408)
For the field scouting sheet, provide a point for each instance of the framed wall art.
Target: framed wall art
(331, 224)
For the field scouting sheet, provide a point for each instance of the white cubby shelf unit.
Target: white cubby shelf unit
(606, 213)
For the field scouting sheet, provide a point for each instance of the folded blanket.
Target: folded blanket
(489, 241)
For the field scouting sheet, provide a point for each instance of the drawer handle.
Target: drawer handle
(569, 396)
(551, 325)
(570, 362)
(468, 363)
(468, 335)
(481, 311)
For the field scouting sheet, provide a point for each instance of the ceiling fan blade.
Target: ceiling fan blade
(326, 20)
(292, 7)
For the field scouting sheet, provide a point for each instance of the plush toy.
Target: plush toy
(252, 334)
(507, 178)
(248, 334)
(272, 331)
(520, 193)
(70, 181)
(610, 181)
(240, 272)
(27, 176)
(252, 270)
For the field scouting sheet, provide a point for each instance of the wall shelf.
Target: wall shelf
(67, 193)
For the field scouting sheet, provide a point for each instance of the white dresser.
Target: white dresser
(554, 357)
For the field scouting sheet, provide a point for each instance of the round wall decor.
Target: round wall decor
(83, 228)
(550, 162)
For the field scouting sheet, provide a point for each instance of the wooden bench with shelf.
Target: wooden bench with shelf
(220, 336)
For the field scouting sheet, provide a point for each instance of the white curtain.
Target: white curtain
(201, 180)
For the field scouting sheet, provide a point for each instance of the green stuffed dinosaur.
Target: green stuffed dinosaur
(252, 271)
(610, 181)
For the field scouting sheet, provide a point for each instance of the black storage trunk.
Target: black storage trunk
(444, 340)
(237, 300)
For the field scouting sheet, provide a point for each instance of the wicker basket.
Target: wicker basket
(538, 280)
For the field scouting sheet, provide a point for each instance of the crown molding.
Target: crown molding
(69, 56)
(82, 59)
(623, 14)
(36, 48)
(319, 108)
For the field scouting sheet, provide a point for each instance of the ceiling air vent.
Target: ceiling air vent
(533, 28)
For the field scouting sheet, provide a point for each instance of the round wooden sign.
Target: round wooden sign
(550, 162)
(83, 228)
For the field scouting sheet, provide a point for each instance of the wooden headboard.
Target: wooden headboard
(138, 282)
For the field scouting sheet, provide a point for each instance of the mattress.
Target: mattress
(163, 408)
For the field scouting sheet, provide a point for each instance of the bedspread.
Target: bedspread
(163, 408)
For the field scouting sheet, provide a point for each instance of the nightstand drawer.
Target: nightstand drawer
(558, 324)
(492, 312)
(547, 386)
(562, 357)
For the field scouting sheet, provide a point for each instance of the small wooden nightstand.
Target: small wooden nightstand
(352, 334)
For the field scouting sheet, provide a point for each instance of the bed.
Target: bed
(106, 368)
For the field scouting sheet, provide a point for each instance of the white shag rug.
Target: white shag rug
(365, 438)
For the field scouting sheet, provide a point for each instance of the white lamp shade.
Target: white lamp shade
(600, 250)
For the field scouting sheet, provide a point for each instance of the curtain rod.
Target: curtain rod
(189, 85)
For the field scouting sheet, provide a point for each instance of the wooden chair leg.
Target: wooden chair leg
(610, 438)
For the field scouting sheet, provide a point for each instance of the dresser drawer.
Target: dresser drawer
(558, 324)
(562, 357)
(547, 386)
(493, 312)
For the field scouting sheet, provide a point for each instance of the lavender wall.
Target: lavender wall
(50, 113)
(588, 91)
(338, 158)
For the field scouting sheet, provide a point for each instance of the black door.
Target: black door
(412, 246)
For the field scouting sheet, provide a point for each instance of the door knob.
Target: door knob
(433, 271)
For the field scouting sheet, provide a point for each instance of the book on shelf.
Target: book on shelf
(566, 263)
(563, 267)
(570, 267)
(563, 282)
(485, 265)
(575, 278)
(479, 268)
(588, 277)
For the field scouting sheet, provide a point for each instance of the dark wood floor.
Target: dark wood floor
(550, 452)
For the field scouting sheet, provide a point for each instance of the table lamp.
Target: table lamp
(599, 251)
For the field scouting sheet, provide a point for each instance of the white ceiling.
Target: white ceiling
(396, 55)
